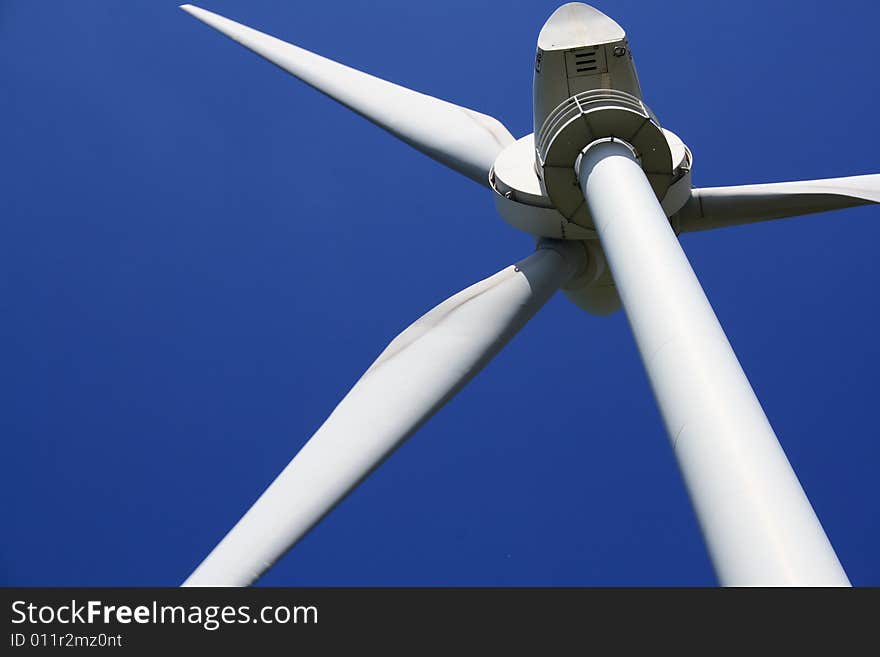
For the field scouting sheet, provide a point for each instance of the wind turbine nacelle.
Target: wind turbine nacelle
(586, 90)
(580, 49)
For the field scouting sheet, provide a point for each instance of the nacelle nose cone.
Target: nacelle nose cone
(575, 25)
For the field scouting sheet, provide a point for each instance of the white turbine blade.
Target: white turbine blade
(718, 207)
(462, 139)
(416, 374)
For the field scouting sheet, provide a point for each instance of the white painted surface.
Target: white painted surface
(575, 24)
(462, 139)
(418, 372)
(580, 49)
(717, 207)
(758, 524)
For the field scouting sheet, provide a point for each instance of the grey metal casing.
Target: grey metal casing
(580, 49)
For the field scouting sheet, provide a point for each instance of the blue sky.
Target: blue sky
(199, 255)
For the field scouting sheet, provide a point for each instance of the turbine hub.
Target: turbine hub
(585, 89)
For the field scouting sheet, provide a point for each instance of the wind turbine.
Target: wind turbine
(605, 191)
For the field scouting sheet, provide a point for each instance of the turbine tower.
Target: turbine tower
(605, 191)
